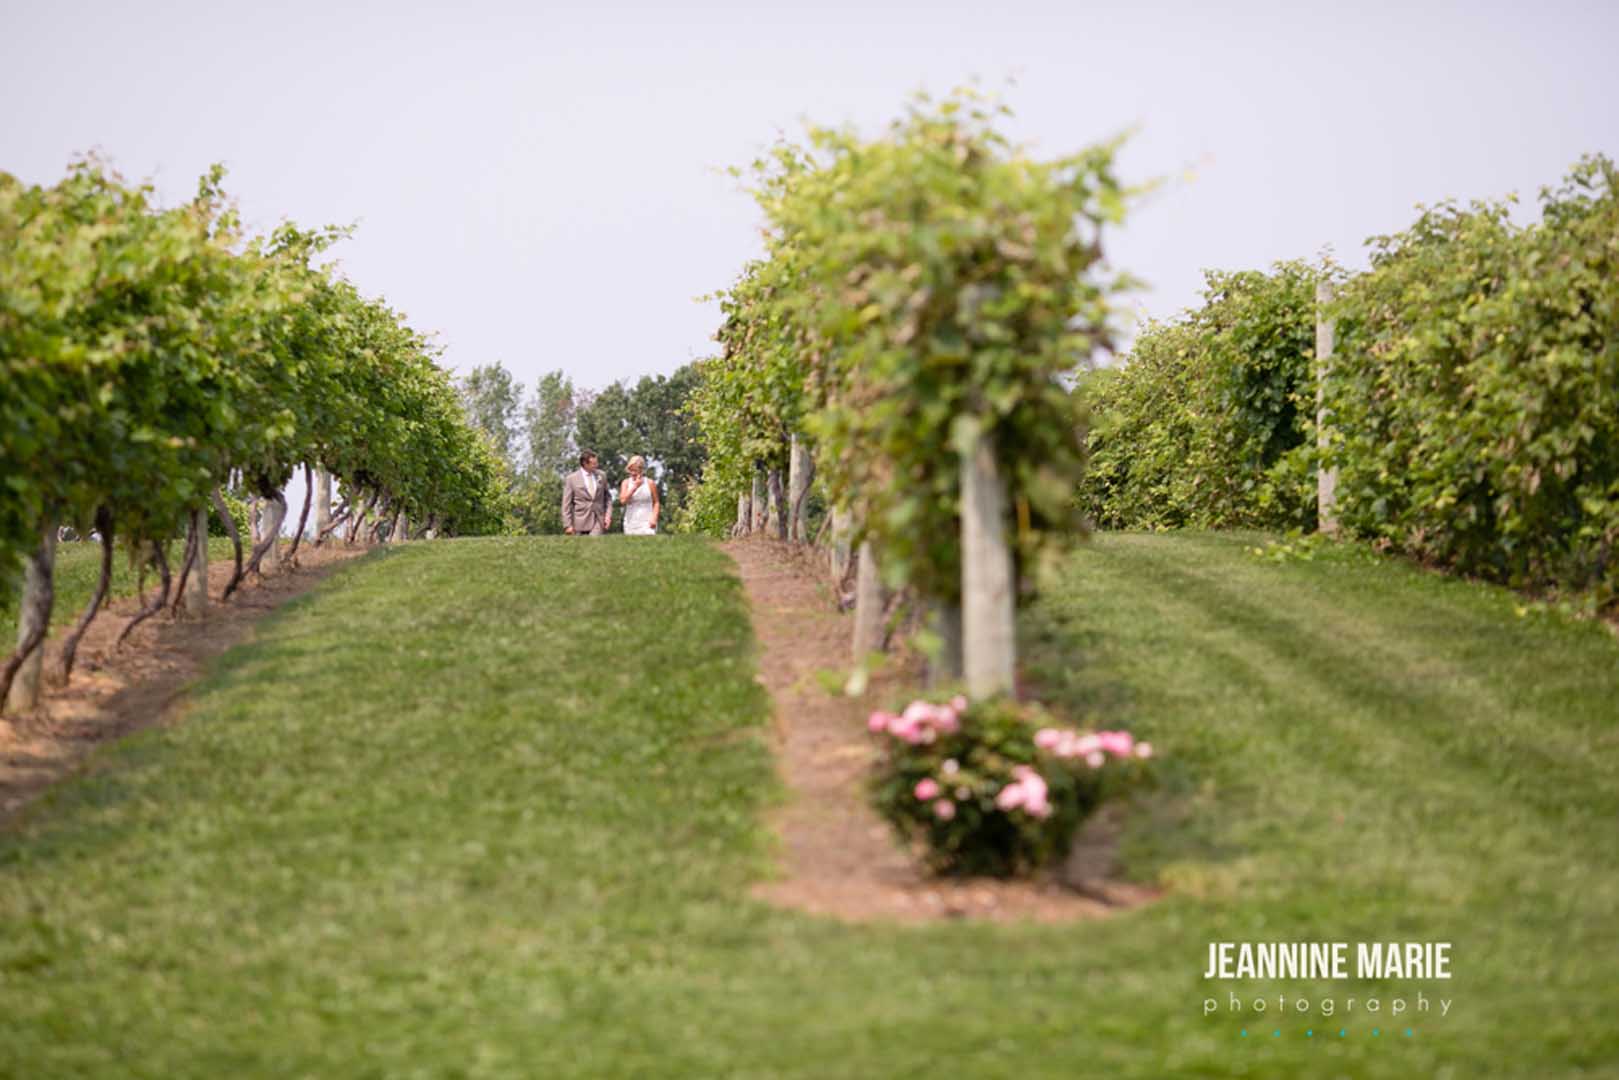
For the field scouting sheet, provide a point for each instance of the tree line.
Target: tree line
(538, 434)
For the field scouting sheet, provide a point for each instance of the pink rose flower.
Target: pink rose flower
(878, 722)
(1143, 749)
(1048, 738)
(926, 788)
(1095, 758)
(944, 809)
(1011, 797)
(959, 703)
(1035, 785)
(1028, 791)
(1118, 743)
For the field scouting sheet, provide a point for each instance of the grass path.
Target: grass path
(492, 808)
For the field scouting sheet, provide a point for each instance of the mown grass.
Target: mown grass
(489, 808)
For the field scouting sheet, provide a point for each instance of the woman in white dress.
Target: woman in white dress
(639, 496)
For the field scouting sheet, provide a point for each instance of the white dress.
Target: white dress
(638, 511)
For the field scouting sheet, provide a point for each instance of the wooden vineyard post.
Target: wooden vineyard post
(800, 470)
(761, 505)
(33, 621)
(275, 513)
(778, 504)
(323, 501)
(1326, 478)
(868, 606)
(989, 645)
(195, 599)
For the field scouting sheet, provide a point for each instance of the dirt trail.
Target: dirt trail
(838, 857)
(115, 692)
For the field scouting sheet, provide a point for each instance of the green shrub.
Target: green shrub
(1472, 401)
(994, 788)
(238, 512)
(707, 508)
(533, 504)
(1207, 421)
(1475, 400)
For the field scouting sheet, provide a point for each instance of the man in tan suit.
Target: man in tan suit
(586, 509)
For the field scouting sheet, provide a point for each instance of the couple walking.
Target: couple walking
(587, 505)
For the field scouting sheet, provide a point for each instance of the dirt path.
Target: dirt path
(115, 692)
(838, 857)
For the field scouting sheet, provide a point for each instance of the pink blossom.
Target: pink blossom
(951, 767)
(1035, 799)
(959, 703)
(921, 722)
(1028, 791)
(944, 809)
(1118, 743)
(879, 721)
(1143, 749)
(926, 788)
(1065, 743)
(1011, 797)
(1095, 758)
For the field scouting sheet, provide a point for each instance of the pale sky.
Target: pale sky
(541, 184)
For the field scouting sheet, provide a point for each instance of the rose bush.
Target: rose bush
(994, 788)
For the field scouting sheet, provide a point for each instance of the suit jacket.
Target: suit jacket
(585, 514)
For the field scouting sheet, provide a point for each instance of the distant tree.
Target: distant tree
(548, 421)
(671, 435)
(493, 401)
(606, 424)
(649, 419)
(540, 436)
